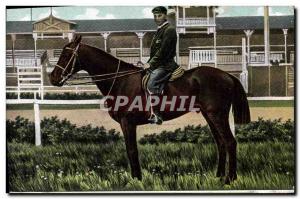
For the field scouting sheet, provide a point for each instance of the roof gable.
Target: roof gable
(131, 25)
(52, 24)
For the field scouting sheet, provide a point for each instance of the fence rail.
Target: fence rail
(202, 56)
(195, 21)
(54, 89)
(22, 62)
(36, 103)
(259, 56)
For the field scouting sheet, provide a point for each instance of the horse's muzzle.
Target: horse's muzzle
(55, 81)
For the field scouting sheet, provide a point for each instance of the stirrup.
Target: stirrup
(154, 119)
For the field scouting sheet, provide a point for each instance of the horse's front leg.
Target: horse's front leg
(129, 131)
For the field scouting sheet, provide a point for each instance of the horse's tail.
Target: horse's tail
(240, 104)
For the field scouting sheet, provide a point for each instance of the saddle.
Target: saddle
(177, 73)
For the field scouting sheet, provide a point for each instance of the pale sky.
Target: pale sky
(130, 12)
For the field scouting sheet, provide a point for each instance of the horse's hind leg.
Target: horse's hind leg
(221, 123)
(221, 147)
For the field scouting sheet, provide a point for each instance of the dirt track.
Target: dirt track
(101, 118)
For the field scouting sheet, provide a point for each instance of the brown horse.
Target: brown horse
(215, 92)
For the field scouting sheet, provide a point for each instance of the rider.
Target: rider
(161, 63)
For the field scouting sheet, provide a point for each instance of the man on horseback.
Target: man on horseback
(161, 63)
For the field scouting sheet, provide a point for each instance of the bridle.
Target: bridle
(72, 64)
(64, 69)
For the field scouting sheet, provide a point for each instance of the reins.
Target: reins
(75, 56)
(100, 80)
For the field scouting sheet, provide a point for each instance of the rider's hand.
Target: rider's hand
(146, 65)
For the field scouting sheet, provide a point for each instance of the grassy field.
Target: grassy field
(260, 103)
(90, 167)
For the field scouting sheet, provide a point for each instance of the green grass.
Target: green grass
(263, 103)
(90, 167)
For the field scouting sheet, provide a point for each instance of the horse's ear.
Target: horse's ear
(77, 39)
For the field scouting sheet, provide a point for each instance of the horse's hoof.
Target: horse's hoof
(222, 179)
(220, 174)
(230, 178)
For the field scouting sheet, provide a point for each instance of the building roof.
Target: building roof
(115, 25)
(130, 25)
(254, 22)
(19, 27)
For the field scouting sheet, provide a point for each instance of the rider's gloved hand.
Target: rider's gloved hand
(146, 65)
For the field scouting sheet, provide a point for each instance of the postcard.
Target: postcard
(150, 99)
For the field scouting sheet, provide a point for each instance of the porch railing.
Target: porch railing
(259, 56)
(195, 21)
(22, 62)
(201, 56)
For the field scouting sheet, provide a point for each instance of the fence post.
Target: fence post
(231, 121)
(286, 80)
(38, 140)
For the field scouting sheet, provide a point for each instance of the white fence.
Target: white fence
(30, 78)
(259, 56)
(201, 57)
(23, 58)
(196, 21)
(232, 55)
(53, 89)
(23, 62)
(36, 103)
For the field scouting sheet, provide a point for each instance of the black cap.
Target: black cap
(159, 9)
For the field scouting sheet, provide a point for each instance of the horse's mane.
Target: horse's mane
(102, 52)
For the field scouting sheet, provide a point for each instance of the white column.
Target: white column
(267, 34)
(35, 40)
(140, 36)
(177, 15)
(207, 15)
(183, 15)
(13, 39)
(177, 49)
(215, 47)
(70, 36)
(248, 35)
(244, 74)
(215, 37)
(285, 32)
(105, 36)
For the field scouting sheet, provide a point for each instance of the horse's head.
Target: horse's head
(67, 63)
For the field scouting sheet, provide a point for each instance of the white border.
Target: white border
(169, 192)
(110, 2)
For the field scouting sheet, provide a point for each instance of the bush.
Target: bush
(72, 96)
(22, 96)
(56, 131)
(21, 130)
(57, 96)
(257, 131)
(266, 130)
(189, 134)
(60, 131)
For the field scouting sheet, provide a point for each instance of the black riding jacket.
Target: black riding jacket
(163, 48)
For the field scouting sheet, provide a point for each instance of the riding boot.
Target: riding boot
(155, 117)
